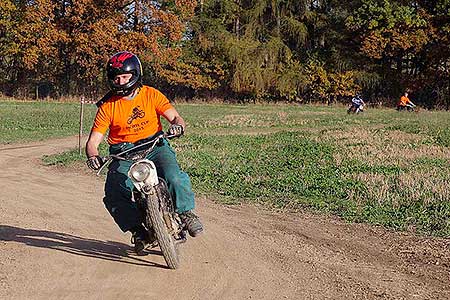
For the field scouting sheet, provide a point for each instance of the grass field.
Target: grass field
(383, 167)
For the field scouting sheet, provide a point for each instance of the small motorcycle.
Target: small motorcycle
(410, 108)
(353, 108)
(153, 199)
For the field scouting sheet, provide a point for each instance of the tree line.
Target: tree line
(240, 50)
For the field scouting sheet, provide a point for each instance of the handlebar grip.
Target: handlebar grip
(170, 136)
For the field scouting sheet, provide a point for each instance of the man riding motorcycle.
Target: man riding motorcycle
(131, 112)
(357, 105)
(405, 103)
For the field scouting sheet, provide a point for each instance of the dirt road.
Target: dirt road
(58, 242)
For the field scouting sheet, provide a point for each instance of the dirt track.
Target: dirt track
(58, 242)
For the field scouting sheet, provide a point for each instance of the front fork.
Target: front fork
(172, 220)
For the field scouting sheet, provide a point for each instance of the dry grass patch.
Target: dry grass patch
(425, 186)
(383, 147)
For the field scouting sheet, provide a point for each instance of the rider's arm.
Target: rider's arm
(94, 140)
(174, 117)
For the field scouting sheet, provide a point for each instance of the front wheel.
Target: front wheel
(350, 110)
(165, 240)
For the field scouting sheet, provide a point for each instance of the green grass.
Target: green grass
(27, 121)
(382, 167)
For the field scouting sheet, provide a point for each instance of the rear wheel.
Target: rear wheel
(165, 240)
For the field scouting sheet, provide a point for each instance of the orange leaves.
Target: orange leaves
(186, 8)
(374, 44)
(36, 35)
(391, 42)
(69, 41)
(390, 29)
(157, 32)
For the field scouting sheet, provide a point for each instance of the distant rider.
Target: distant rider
(357, 105)
(131, 112)
(405, 103)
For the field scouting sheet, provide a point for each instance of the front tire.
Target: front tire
(351, 110)
(165, 240)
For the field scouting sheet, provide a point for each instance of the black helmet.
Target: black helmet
(123, 63)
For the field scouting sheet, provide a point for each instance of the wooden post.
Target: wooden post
(80, 134)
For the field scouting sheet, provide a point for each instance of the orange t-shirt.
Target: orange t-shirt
(403, 101)
(131, 120)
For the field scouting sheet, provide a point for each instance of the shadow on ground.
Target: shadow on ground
(76, 245)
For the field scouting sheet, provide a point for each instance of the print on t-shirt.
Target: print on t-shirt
(137, 113)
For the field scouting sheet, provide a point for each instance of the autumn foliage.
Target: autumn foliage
(66, 43)
(246, 50)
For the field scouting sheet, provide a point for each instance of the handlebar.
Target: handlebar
(152, 142)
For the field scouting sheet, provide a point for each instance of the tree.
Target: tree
(68, 42)
(394, 35)
(30, 44)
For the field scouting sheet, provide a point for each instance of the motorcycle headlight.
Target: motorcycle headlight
(140, 172)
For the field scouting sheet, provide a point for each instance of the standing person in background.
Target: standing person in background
(131, 112)
(405, 103)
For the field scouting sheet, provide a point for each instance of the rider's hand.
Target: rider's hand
(176, 130)
(95, 162)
